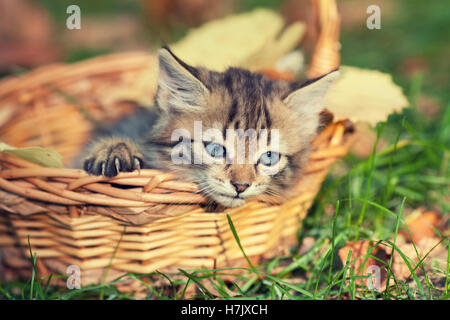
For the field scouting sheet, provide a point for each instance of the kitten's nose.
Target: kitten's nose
(240, 187)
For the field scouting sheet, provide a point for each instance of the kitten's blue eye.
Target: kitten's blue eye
(215, 150)
(269, 158)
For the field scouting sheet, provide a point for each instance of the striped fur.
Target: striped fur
(284, 117)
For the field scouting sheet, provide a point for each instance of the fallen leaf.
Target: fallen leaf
(363, 264)
(363, 95)
(421, 224)
(239, 40)
(256, 40)
(429, 250)
(44, 157)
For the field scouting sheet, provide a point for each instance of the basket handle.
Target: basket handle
(326, 55)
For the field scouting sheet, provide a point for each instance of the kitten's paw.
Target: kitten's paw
(111, 156)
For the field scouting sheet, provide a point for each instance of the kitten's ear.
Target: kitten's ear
(307, 100)
(178, 87)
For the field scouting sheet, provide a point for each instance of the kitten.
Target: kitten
(237, 134)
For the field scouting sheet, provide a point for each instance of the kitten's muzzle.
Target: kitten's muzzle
(240, 187)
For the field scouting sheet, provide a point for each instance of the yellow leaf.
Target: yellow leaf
(44, 157)
(364, 95)
(235, 39)
(254, 40)
(276, 48)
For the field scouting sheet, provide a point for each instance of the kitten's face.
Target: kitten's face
(236, 134)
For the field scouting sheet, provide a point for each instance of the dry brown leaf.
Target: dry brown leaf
(429, 250)
(421, 224)
(361, 249)
(363, 95)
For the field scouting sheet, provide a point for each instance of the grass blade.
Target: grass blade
(236, 237)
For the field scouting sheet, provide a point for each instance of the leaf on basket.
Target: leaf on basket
(276, 48)
(363, 95)
(256, 40)
(253, 40)
(44, 157)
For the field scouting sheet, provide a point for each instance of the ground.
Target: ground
(365, 197)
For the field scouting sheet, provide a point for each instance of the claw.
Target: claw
(137, 164)
(103, 168)
(117, 164)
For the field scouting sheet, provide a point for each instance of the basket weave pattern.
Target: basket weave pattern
(85, 219)
(157, 222)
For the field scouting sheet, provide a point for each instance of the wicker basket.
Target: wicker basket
(158, 222)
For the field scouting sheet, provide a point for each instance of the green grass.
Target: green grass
(367, 201)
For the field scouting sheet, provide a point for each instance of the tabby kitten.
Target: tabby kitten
(202, 116)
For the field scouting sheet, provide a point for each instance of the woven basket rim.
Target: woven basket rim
(75, 187)
(151, 181)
